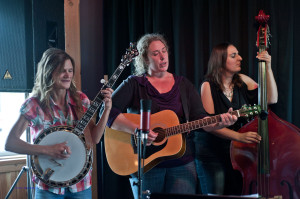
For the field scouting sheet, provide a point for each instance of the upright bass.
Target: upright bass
(272, 167)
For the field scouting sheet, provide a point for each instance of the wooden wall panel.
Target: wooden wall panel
(9, 170)
(72, 36)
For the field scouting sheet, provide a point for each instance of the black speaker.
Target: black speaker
(27, 29)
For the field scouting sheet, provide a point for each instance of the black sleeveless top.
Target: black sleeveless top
(241, 96)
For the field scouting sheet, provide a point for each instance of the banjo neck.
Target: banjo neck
(97, 102)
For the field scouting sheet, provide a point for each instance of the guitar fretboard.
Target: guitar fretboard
(197, 124)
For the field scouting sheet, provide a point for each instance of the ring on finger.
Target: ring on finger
(65, 152)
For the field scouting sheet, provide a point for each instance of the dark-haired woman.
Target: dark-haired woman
(225, 87)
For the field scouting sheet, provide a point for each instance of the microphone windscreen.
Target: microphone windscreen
(145, 105)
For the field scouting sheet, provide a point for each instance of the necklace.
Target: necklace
(228, 92)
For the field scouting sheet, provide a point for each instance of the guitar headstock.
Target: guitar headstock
(263, 33)
(250, 111)
(130, 54)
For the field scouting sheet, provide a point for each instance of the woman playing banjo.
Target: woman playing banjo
(56, 102)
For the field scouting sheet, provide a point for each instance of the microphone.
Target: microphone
(145, 117)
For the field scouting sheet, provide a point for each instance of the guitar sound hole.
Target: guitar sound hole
(161, 134)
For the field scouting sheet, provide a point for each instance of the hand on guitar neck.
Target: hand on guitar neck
(227, 119)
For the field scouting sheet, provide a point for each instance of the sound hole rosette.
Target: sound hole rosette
(66, 172)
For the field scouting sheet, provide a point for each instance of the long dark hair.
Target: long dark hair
(217, 65)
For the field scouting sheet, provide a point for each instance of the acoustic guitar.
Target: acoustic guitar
(121, 147)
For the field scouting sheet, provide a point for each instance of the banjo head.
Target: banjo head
(62, 172)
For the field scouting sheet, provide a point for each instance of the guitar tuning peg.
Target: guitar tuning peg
(102, 81)
(250, 107)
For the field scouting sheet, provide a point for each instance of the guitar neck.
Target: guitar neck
(197, 124)
(97, 102)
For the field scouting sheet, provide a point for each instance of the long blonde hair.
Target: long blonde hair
(43, 86)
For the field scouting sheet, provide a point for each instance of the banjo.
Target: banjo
(66, 172)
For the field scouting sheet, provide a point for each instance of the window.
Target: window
(10, 104)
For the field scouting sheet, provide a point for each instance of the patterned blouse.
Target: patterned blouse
(38, 121)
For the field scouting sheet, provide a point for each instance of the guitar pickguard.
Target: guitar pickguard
(149, 149)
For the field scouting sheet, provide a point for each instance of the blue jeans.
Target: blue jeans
(43, 194)
(213, 165)
(211, 177)
(181, 179)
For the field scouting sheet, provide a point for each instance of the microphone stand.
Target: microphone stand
(140, 135)
(140, 168)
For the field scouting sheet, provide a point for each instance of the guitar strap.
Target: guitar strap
(182, 89)
(144, 95)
